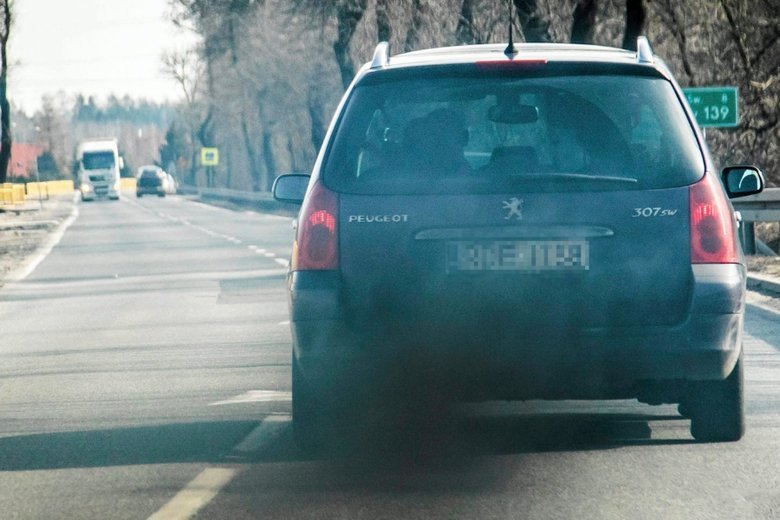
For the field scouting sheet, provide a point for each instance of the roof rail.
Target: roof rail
(644, 54)
(381, 56)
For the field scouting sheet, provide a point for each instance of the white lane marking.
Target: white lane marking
(199, 492)
(209, 207)
(209, 482)
(271, 428)
(229, 238)
(286, 322)
(256, 396)
(53, 240)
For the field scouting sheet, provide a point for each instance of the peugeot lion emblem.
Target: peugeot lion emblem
(515, 207)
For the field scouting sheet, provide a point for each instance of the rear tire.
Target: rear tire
(717, 408)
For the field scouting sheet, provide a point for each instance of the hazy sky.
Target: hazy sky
(96, 47)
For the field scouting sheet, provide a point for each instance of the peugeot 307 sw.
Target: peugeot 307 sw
(537, 222)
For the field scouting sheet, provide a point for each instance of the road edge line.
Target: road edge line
(26, 269)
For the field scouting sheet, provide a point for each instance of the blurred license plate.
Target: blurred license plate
(514, 255)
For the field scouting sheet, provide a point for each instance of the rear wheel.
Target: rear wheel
(717, 408)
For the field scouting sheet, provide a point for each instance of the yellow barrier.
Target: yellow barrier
(11, 194)
(128, 184)
(49, 188)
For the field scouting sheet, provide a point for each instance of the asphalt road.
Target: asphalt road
(144, 370)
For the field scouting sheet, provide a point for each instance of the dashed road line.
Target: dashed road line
(207, 485)
(269, 430)
(209, 232)
(199, 492)
(256, 396)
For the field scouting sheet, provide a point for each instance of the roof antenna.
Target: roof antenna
(510, 49)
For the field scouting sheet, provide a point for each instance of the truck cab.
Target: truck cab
(99, 165)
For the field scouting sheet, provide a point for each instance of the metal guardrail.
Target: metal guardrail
(764, 207)
(235, 195)
(258, 200)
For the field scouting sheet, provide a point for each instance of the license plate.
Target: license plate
(514, 255)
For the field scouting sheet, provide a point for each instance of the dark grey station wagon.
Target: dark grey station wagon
(538, 222)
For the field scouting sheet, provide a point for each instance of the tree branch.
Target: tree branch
(737, 36)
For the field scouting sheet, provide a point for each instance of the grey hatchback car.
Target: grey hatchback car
(538, 222)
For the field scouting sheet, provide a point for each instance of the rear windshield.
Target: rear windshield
(98, 160)
(458, 134)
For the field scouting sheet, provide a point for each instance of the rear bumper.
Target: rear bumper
(100, 191)
(150, 190)
(550, 363)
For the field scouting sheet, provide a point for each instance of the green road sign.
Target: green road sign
(714, 106)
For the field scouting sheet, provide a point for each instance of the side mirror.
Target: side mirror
(290, 187)
(121, 163)
(741, 181)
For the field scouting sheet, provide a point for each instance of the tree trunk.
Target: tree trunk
(535, 29)
(5, 125)
(348, 15)
(464, 33)
(268, 157)
(5, 106)
(418, 17)
(635, 23)
(254, 167)
(383, 28)
(318, 123)
(584, 21)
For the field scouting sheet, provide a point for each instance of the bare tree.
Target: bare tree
(635, 23)
(584, 21)
(383, 27)
(5, 106)
(465, 30)
(347, 15)
(187, 70)
(535, 28)
(670, 13)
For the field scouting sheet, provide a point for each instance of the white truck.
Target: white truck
(99, 165)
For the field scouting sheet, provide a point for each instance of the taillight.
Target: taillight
(713, 237)
(316, 246)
